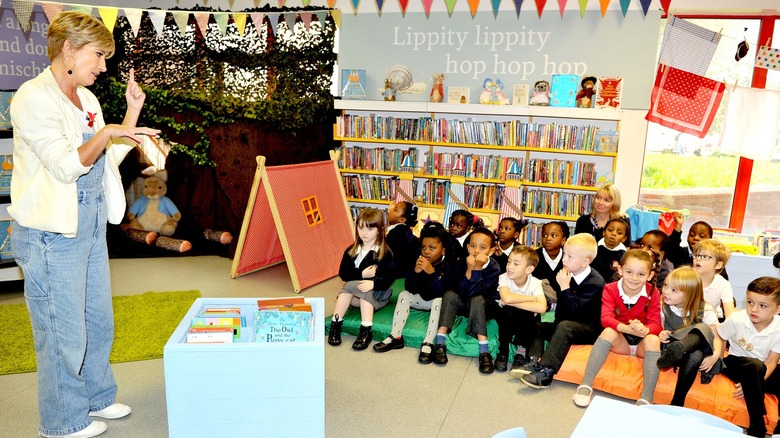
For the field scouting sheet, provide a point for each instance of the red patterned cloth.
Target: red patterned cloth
(684, 101)
(666, 222)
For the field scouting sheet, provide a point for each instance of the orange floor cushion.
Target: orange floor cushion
(622, 376)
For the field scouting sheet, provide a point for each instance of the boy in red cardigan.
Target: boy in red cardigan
(631, 316)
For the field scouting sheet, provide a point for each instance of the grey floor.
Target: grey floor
(366, 394)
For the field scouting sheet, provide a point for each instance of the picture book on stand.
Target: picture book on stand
(609, 92)
(353, 84)
(564, 90)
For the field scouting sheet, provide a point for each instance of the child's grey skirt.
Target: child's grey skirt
(377, 298)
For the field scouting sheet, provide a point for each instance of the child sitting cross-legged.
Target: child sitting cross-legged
(631, 316)
(522, 301)
(754, 337)
(577, 315)
(425, 284)
(477, 281)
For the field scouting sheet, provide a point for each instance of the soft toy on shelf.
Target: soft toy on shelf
(155, 214)
(541, 94)
(585, 95)
(437, 90)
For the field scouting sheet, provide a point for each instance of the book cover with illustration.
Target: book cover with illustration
(289, 324)
(6, 168)
(520, 95)
(458, 94)
(353, 84)
(563, 90)
(609, 92)
(607, 140)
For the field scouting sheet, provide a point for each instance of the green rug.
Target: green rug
(142, 325)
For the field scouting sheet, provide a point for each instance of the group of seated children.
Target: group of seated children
(604, 292)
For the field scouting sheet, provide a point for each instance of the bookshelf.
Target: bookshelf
(559, 151)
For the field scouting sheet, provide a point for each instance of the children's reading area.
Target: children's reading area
(389, 219)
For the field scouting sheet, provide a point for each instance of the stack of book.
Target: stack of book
(284, 320)
(216, 325)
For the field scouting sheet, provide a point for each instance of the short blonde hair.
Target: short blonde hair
(611, 191)
(530, 255)
(585, 243)
(716, 249)
(80, 29)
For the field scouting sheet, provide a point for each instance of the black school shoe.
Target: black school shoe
(486, 363)
(425, 358)
(501, 362)
(440, 354)
(394, 344)
(334, 335)
(364, 338)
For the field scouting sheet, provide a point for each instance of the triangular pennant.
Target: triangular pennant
(665, 4)
(257, 20)
(181, 18)
(331, 4)
(583, 5)
(108, 15)
(158, 19)
(203, 21)
(450, 6)
(281, 2)
(230, 3)
(645, 5)
(306, 18)
(321, 17)
(336, 14)
(379, 4)
(23, 10)
(473, 5)
(305, 2)
(51, 10)
(78, 8)
(290, 19)
(518, 5)
(403, 4)
(427, 7)
(604, 5)
(540, 7)
(355, 5)
(562, 6)
(134, 17)
(274, 20)
(240, 21)
(624, 6)
(222, 21)
(495, 4)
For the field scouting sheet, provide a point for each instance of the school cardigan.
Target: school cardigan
(431, 286)
(647, 308)
(385, 271)
(581, 302)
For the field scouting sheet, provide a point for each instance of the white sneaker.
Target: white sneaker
(582, 400)
(94, 429)
(642, 402)
(117, 410)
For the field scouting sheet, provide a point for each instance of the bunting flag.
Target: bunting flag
(518, 5)
(108, 15)
(427, 7)
(767, 57)
(751, 123)
(306, 2)
(230, 3)
(331, 4)
(684, 101)
(290, 18)
(403, 4)
(281, 2)
(355, 5)
(645, 5)
(687, 46)
(51, 10)
(306, 18)
(540, 7)
(23, 10)
(562, 6)
(202, 18)
(604, 5)
(379, 4)
(158, 19)
(257, 20)
(221, 18)
(624, 6)
(182, 19)
(321, 17)
(134, 17)
(274, 20)
(665, 4)
(240, 22)
(473, 5)
(583, 6)
(336, 14)
(451, 6)
(495, 4)
(80, 8)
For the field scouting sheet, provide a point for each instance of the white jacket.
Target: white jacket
(47, 135)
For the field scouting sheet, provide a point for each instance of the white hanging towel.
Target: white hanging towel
(752, 123)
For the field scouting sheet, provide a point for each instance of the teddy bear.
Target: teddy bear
(585, 95)
(154, 214)
(541, 94)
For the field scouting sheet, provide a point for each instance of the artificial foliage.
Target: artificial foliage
(192, 82)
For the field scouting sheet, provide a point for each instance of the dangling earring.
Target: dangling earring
(70, 70)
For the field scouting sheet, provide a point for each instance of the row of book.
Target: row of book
(380, 159)
(571, 205)
(579, 173)
(768, 242)
(483, 196)
(475, 166)
(494, 133)
(216, 325)
(376, 188)
(532, 234)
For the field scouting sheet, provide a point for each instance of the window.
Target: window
(682, 171)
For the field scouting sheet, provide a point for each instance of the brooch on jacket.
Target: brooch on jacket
(91, 119)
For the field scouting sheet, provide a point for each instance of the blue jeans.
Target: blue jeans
(67, 288)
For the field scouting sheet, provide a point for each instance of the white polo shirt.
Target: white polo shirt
(531, 288)
(745, 340)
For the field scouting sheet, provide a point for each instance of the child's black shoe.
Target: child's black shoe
(501, 362)
(440, 354)
(365, 336)
(539, 379)
(392, 344)
(334, 336)
(425, 353)
(486, 363)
